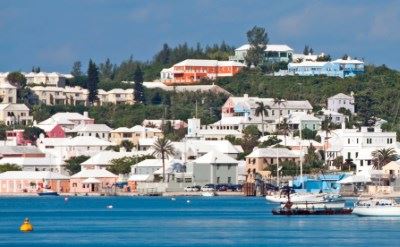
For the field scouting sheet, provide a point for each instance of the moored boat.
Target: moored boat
(48, 192)
(377, 208)
(208, 193)
(298, 197)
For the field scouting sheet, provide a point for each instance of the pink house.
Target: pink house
(17, 136)
(52, 130)
(93, 181)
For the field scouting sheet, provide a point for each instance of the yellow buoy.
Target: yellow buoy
(26, 226)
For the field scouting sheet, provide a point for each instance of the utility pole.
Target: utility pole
(301, 158)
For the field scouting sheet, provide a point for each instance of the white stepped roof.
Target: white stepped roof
(272, 152)
(91, 128)
(14, 107)
(151, 163)
(88, 141)
(33, 175)
(104, 157)
(341, 96)
(48, 160)
(94, 173)
(46, 127)
(215, 157)
(270, 47)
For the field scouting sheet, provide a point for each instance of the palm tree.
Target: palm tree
(384, 156)
(164, 148)
(327, 126)
(262, 110)
(284, 128)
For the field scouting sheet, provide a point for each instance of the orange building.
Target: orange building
(191, 71)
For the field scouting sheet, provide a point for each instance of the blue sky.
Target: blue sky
(53, 34)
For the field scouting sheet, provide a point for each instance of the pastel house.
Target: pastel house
(93, 181)
(32, 182)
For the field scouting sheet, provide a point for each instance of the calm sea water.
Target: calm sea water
(158, 221)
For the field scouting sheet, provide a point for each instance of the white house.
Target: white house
(101, 131)
(273, 53)
(11, 114)
(336, 117)
(212, 132)
(341, 100)
(357, 144)
(69, 120)
(47, 163)
(8, 93)
(103, 159)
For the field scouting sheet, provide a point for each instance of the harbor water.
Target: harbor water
(183, 221)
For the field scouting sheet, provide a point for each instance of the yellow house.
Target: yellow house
(134, 134)
(391, 169)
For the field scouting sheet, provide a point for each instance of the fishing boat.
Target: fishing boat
(377, 208)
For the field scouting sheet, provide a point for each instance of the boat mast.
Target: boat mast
(301, 159)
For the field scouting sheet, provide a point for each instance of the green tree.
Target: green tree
(250, 138)
(32, 133)
(272, 140)
(258, 40)
(284, 129)
(76, 69)
(164, 148)
(164, 56)
(106, 70)
(92, 81)
(312, 158)
(73, 164)
(3, 129)
(262, 110)
(128, 145)
(16, 79)
(9, 167)
(306, 50)
(138, 88)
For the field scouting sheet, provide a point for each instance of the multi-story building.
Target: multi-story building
(8, 93)
(68, 120)
(49, 79)
(357, 144)
(337, 68)
(116, 96)
(245, 108)
(101, 131)
(260, 159)
(192, 71)
(134, 134)
(11, 114)
(341, 100)
(273, 53)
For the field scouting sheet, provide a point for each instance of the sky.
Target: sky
(53, 34)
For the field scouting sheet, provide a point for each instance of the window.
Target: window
(361, 162)
(217, 167)
(229, 180)
(218, 180)
(356, 154)
(348, 155)
(348, 140)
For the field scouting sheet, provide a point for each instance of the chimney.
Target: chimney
(343, 125)
(245, 95)
(86, 114)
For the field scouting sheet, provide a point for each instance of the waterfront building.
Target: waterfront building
(46, 162)
(356, 145)
(192, 71)
(191, 149)
(18, 182)
(260, 159)
(341, 100)
(11, 114)
(213, 168)
(93, 181)
(337, 68)
(274, 53)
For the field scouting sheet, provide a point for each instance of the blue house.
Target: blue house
(337, 68)
(325, 183)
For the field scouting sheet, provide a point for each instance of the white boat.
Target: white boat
(377, 207)
(297, 197)
(208, 193)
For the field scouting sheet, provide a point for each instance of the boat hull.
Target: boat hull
(289, 212)
(378, 211)
(339, 204)
(48, 193)
(296, 198)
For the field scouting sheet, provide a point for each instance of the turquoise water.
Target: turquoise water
(157, 221)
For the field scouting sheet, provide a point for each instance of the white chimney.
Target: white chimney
(86, 114)
(245, 95)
